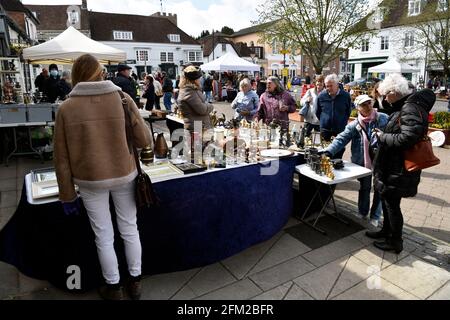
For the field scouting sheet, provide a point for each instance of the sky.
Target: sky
(194, 16)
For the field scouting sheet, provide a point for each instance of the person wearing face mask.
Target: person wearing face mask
(361, 133)
(51, 89)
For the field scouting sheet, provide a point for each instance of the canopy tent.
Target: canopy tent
(230, 62)
(393, 66)
(68, 46)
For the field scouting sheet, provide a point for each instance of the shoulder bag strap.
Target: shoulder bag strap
(129, 133)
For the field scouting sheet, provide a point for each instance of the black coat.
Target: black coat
(51, 89)
(149, 94)
(64, 88)
(127, 85)
(407, 125)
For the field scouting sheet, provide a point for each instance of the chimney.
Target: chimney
(170, 16)
(84, 4)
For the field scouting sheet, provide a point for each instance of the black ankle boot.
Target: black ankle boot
(111, 292)
(134, 288)
(390, 245)
(377, 234)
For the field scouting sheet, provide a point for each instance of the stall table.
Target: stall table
(202, 219)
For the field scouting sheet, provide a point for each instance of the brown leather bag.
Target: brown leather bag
(145, 195)
(421, 155)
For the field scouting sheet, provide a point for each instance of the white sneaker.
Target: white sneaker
(374, 223)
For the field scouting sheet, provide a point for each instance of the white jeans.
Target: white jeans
(96, 202)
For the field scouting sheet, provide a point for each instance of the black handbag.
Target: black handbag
(145, 194)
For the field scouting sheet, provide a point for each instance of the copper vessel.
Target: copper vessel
(161, 149)
(147, 155)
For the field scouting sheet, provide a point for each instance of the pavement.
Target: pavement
(283, 268)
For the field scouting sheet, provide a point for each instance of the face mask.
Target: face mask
(54, 73)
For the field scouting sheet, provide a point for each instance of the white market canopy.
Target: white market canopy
(393, 66)
(68, 46)
(230, 62)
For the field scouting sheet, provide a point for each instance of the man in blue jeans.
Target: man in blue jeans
(361, 133)
(167, 88)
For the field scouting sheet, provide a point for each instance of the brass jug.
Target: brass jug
(147, 155)
(161, 148)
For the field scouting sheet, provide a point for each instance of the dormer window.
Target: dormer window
(414, 7)
(174, 37)
(123, 35)
(442, 5)
(73, 16)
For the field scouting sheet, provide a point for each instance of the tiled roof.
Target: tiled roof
(55, 17)
(16, 5)
(144, 28)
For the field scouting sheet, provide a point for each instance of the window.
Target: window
(365, 45)
(409, 39)
(174, 37)
(442, 5)
(414, 7)
(166, 56)
(142, 55)
(258, 52)
(224, 47)
(123, 35)
(384, 43)
(274, 47)
(73, 17)
(440, 36)
(195, 56)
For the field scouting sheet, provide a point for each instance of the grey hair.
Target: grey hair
(332, 77)
(395, 83)
(66, 74)
(245, 83)
(278, 86)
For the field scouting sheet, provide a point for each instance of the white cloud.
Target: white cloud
(236, 14)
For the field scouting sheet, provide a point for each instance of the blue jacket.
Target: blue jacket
(353, 132)
(334, 113)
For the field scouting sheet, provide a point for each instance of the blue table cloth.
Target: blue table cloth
(202, 219)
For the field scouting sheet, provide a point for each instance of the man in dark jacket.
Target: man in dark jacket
(334, 106)
(407, 125)
(125, 82)
(41, 79)
(51, 84)
(167, 87)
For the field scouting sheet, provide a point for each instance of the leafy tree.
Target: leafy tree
(227, 30)
(320, 29)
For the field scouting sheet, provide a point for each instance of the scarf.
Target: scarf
(364, 122)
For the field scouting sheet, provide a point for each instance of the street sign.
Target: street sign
(285, 72)
(285, 51)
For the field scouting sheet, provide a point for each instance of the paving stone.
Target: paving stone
(241, 290)
(277, 293)
(5, 215)
(209, 279)
(371, 256)
(362, 237)
(8, 184)
(27, 284)
(282, 273)
(375, 288)
(416, 276)
(354, 272)
(8, 199)
(297, 293)
(9, 280)
(8, 172)
(56, 294)
(333, 251)
(318, 283)
(442, 294)
(287, 247)
(164, 286)
(240, 264)
(185, 293)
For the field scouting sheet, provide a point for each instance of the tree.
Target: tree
(227, 30)
(204, 33)
(320, 29)
(433, 34)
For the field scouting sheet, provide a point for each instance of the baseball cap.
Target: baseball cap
(362, 99)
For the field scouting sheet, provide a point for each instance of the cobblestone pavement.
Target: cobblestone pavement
(285, 268)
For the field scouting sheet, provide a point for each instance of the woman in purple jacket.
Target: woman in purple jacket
(276, 104)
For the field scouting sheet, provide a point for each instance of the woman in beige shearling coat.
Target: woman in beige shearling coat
(91, 151)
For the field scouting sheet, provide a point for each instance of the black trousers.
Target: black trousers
(393, 218)
(157, 102)
(310, 127)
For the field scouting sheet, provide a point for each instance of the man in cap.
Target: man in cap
(125, 82)
(364, 148)
(41, 79)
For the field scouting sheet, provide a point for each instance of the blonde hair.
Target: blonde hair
(185, 82)
(245, 83)
(86, 69)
